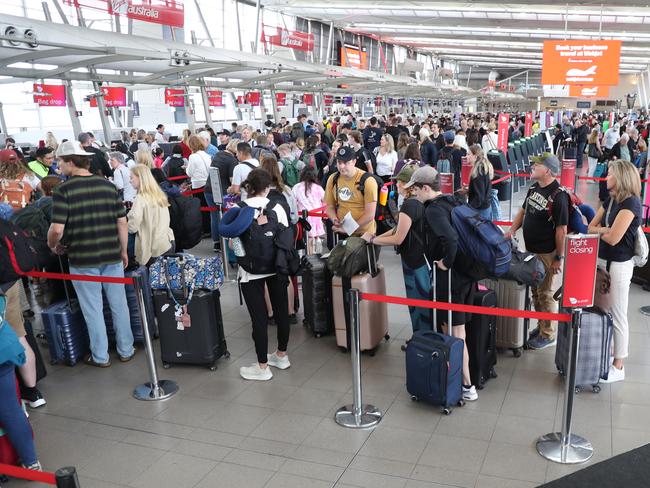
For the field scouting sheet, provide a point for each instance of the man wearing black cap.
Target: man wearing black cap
(544, 217)
(224, 139)
(343, 194)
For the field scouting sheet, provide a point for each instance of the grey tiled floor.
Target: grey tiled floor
(223, 431)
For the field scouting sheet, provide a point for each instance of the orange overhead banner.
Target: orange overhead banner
(586, 62)
(351, 57)
(586, 91)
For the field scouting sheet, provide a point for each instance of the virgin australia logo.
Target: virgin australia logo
(286, 39)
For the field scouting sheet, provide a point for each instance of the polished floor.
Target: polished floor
(222, 431)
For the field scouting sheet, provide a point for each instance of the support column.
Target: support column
(72, 109)
(106, 124)
(3, 122)
(258, 11)
(330, 40)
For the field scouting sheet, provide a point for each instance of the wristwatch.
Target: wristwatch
(559, 258)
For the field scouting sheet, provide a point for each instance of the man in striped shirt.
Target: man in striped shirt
(89, 224)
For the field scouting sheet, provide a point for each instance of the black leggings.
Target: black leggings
(253, 292)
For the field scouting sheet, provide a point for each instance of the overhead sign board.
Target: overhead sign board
(215, 98)
(114, 96)
(350, 56)
(586, 91)
(165, 12)
(277, 36)
(175, 97)
(582, 62)
(49, 95)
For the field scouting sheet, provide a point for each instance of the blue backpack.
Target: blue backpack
(481, 240)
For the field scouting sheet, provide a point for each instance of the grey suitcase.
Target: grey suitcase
(512, 333)
(593, 349)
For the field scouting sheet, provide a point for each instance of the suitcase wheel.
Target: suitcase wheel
(318, 335)
(447, 411)
(343, 349)
(226, 354)
(414, 398)
(493, 373)
(517, 352)
(167, 365)
(461, 403)
(578, 389)
(387, 337)
(213, 367)
(595, 388)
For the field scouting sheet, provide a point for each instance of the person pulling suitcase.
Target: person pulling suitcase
(441, 249)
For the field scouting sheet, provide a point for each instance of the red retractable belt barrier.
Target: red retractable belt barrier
(181, 177)
(507, 177)
(455, 307)
(28, 474)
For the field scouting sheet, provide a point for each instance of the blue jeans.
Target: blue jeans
(13, 419)
(90, 300)
(496, 205)
(214, 218)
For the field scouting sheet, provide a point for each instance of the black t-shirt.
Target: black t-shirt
(624, 250)
(362, 156)
(372, 137)
(412, 248)
(539, 227)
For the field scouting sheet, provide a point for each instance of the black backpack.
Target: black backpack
(276, 197)
(259, 244)
(35, 221)
(26, 257)
(185, 220)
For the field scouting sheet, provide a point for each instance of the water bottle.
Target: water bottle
(383, 196)
(238, 247)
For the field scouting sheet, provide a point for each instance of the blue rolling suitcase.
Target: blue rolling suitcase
(66, 332)
(134, 310)
(434, 365)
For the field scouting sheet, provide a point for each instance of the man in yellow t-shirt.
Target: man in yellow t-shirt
(343, 195)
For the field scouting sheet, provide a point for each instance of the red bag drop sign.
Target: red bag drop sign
(568, 175)
(465, 171)
(49, 95)
(446, 183)
(504, 122)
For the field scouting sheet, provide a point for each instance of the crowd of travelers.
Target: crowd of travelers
(107, 205)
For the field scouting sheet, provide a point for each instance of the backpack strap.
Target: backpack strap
(250, 165)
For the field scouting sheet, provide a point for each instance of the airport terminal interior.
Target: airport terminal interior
(534, 91)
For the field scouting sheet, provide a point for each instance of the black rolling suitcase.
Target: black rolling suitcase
(190, 333)
(317, 296)
(481, 340)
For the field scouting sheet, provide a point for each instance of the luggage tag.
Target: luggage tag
(182, 317)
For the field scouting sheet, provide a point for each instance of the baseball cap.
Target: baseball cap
(549, 160)
(449, 136)
(8, 156)
(425, 175)
(71, 148)
(406, 172)
(345, 153)
(224, 132)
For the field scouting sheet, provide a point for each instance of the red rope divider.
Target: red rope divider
(28, 474)
(193, 192)
(313, 213)
(455, 307)
(520, 175)
(502, 223)
(209, 209)
(507, 177)
(174, 178)
(63, 276)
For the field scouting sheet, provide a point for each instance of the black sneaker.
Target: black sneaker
(33, 397)
(216, 247)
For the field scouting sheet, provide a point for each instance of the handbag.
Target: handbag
(641, 248)
(603, 298)
(182, 272)
(11, 350)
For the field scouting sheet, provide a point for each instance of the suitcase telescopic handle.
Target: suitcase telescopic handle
(372, 260)
(434, 283)
(65, 283)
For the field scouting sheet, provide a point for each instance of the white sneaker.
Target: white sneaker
(277, 361)
(614, 375)
(470, 394)
(254, 372)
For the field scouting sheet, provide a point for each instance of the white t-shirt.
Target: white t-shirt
(159, 137)
(489, 141)
(122, 181)
(612, 135)
(386, 163)
(240, 173)
(198, 168)
(261, 202)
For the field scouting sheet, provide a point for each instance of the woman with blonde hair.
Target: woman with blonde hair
(386, 157)
(594, 152)
(149, 217)
(185, 143)
(144, 157)
(50, 141)
(490, 139)
(479, 190)
(617, 222)
(402, 143)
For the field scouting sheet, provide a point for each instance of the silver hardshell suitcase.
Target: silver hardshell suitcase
(512, 333)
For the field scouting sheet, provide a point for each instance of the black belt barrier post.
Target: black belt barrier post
(357, 415)
(565, 447)
(156, 389)
(66, 478)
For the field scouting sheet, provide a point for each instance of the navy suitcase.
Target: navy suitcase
(434, 368)
(203, 342)
(481, 340)
(134, 309)
(434, 363)
(66, 332)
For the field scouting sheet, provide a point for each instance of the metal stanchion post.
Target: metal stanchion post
(565, 447)
(66, 478)
(357, 415)
(156, 389)
(512, 196)
(224, 253)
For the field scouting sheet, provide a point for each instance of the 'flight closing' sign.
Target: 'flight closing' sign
(585, 62)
